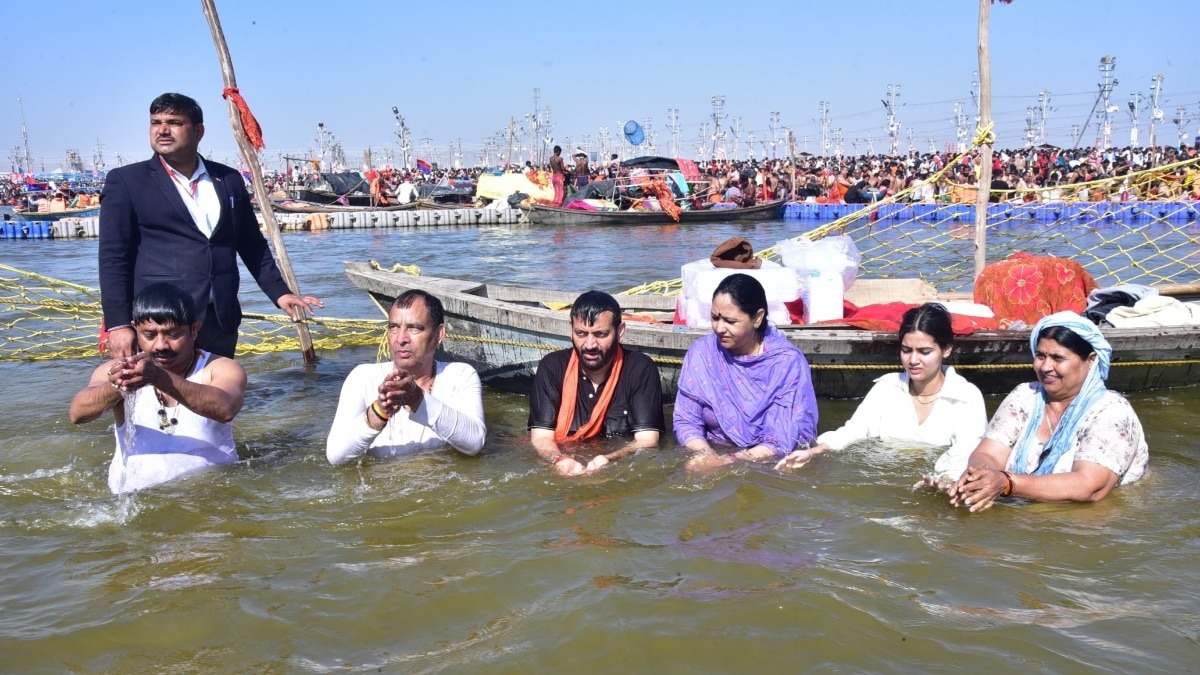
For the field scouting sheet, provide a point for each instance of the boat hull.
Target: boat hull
(503, 333)
(31, 216)
(552, 215)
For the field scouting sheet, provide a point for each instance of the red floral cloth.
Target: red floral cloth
(1027, 288)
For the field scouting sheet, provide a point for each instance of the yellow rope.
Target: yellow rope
(407, 269)
(985, 134)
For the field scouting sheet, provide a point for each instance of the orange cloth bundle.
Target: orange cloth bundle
(1026, 288)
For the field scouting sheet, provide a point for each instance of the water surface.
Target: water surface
(440, 562)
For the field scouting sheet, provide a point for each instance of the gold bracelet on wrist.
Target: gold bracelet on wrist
(1008, 490)
(375, 407)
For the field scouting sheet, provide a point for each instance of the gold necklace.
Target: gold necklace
(1050, 426)
(925, 399)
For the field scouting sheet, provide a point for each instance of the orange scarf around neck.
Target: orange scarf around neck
(570, 393)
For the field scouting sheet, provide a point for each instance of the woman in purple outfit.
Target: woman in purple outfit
(744, 391)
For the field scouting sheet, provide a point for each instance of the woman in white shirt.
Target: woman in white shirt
(927, 403)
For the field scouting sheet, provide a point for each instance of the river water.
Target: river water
(446, 563)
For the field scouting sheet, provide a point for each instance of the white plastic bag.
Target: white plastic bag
(832, 255)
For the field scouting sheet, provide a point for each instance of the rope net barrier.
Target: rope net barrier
(1140, 228)
(43, 319)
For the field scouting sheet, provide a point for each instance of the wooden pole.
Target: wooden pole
(985, 150)
(251, 157)
(367, 161)
(511, 122)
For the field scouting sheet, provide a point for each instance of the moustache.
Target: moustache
(164, 355)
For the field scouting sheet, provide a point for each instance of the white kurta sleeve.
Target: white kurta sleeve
(969, 420)
(458, 417)
(350, 435)
(864, 423)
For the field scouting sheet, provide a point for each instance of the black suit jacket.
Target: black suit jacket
(147, 235)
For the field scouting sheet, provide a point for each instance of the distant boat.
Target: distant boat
(301, 206)
(540, 214)
(85, 212)
(298, 206)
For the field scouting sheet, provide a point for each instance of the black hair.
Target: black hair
(164, 304)
(590, 305)
(178, 104)
(749, 296)
(1069, 339)
(930, 318)
(558, 149)
(436, 313)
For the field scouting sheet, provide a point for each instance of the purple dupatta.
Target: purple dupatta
(766, 399)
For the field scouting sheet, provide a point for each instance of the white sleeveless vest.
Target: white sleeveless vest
(156, 456)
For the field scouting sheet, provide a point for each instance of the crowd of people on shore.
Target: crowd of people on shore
(50, 196)
(1042, 174)
(1033, 175)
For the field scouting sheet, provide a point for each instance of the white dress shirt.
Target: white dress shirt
(957, 419)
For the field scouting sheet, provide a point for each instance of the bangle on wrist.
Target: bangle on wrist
(1008, 490)
(375, 407)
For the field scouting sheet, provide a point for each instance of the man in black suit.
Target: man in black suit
(176, 218)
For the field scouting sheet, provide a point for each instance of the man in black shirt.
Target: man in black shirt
(595, 388)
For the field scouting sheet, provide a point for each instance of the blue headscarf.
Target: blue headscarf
(1093, 390)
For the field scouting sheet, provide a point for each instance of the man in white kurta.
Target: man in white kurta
(412, 402)
(450, 414)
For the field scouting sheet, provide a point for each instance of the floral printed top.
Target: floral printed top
(1110, 434)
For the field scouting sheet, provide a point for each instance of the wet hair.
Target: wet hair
(749, 296)
(436, 313)
(930, 318)
(1069, 339)
(178, 104)
(558, 149)
(164, 304)
(590, 305)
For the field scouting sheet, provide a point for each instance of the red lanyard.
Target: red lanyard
(193, 185)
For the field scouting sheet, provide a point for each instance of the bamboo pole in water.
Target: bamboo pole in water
(251, 156)
(985, 150)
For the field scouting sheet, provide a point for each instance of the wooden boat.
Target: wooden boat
(300, 206)
(553, 215)
(85, 212)
(328, 198)
(504, 331)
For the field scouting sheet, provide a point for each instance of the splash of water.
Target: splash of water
(128, 436)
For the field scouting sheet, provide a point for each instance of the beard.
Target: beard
(597, 360)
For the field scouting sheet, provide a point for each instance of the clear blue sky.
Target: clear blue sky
(86, 70)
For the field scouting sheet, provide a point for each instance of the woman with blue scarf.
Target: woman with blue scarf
(1064, 438)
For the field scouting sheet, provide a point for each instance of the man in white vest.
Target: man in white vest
(173, 403)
